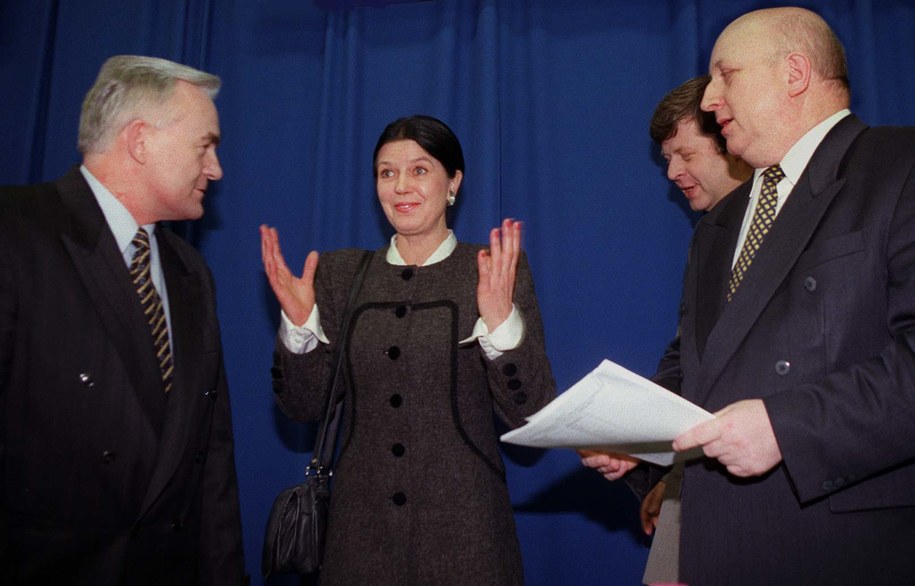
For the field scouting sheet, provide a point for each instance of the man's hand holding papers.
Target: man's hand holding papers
(613, 411)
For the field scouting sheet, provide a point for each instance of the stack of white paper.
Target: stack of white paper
(613, 409)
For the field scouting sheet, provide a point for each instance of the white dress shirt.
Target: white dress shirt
(793, 165)
(124, 228)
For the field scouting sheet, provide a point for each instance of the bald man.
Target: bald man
(798, 326)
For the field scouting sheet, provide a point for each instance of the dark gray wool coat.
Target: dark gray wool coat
(419, 493)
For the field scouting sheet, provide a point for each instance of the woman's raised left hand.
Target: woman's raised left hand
(497, 267)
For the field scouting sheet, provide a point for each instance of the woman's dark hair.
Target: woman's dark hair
(431, 134)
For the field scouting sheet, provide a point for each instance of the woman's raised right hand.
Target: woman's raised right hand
(296, 295)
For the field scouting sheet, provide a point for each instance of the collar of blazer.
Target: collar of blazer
(789, 236)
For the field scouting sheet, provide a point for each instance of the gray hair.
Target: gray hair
(126, 86)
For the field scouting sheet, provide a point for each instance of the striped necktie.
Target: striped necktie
(763, 216)
(152, 306)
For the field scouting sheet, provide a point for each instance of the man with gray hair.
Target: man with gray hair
(116, 450)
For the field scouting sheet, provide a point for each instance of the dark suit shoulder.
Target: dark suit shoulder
(28, 200)
(881, 151)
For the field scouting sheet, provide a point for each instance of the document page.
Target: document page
(613, 409)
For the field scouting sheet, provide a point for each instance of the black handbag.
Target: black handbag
(294, 541)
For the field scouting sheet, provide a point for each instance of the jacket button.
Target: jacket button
(177, 525)
(509, 369)
(393, 352)
(396, 400)
(401, 311)
(782, 367)
(407, 274)
(86, 379)
(810, 284)
(210, 394)
(828, 485)
(108, 457)
(399, 498)
(398, 450)
(198, 457)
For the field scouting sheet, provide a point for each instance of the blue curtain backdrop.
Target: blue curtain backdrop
(551, 101)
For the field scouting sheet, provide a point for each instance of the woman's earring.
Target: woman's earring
(450, 198)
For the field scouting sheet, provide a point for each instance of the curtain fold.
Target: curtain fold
(551, 102)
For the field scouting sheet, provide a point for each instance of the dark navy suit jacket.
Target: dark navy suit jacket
(104, 480)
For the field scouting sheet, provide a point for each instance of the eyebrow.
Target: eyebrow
(212, 138)
(411, 161)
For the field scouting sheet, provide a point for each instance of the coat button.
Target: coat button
(86, 379)
(407, 274)
(828, 485)
(782, 367)
(509, 369)
(198, 457)
(396, 400)
(401, 311)
(210, 394)
(108, 457)
(399, 498)
(398, 450)
(810, 284)
(177, 525)
(393, 352)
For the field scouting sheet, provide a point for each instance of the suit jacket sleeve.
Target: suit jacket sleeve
(521, 380)
(851, 431)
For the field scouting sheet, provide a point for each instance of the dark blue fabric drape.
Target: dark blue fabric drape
(551, 101)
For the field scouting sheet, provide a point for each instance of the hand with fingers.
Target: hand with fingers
(740, 437)
(611, 466)
(650, 509)
(497, 268)
(296, 295)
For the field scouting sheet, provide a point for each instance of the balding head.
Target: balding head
(793, 29)
(776, 73)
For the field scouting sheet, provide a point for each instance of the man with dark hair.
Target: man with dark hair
(116, 452)
(697, 162)
(691, 143)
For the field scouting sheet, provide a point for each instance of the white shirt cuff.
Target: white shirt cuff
(304, 338)
(504, 338)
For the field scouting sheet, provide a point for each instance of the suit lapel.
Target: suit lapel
(186, 330)
(714, 239)
(105, 277)
(786, 240)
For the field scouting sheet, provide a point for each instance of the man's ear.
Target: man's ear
(799, 72)
(135, 135)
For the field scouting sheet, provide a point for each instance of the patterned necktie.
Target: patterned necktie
(152, 306)
(763, 217)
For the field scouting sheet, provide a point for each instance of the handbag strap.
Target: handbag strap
(327, 434)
